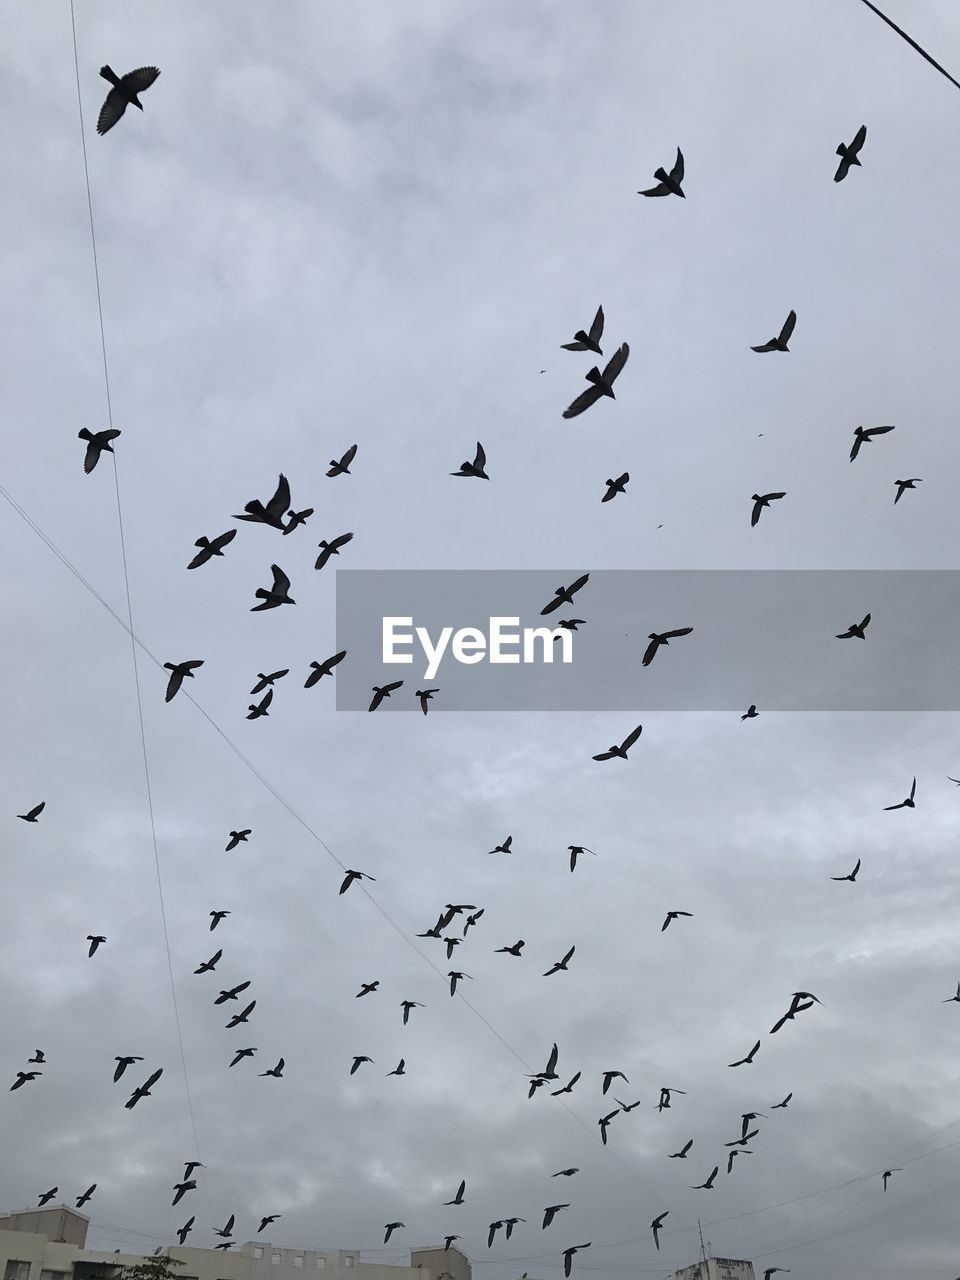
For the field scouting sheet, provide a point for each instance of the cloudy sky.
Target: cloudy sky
(376, 224)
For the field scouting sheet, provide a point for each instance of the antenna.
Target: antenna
(703, 1252)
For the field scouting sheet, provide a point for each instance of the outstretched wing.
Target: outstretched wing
(788, 327)
(878, 431)
(631, 738)
(843, 168)
(279, 504)
(767, 346)
(349, 456)
(281, 583)
(219, 543)
(615, 363)
(660, 190)
(142, 78)
(582, 402)
(596, 329)
(573, 346)
(676, 173)
(651, 649)
(859, 138)
(480, 461)
(680, 631)
(113, 108)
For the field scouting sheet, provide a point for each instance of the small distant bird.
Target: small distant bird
(948, 1001)
(24, 1077)
(665, 1094)
(780, 342)
(38, 1057)
(510, 1223)
(863, 436)
(610, 1076)
(425, 695)
(296, 518)
(321, 669)
(406, 1006)
(238, 837)
(568, 1256)
(277, 594)
(451, 943)
(276, 1072)
(954, 780)
(210, 547)
(749, 1058)
(575, 850)
(601, 383)
(184, 1231)
(904, 804)
(746, 1117)
(97, 442)
(233, 993)
(782, 1104)
(189, 1166)
(511, 951)
(124, 92)
(349, 878)
(342, 468)
(332, 548)
(674, 915)
(241, 1017)
(358, 1059)
(390, 1228)
(272, 512)
(586, 341)
(33, 814)
(751, 712)
(227, 1244)
(95, 941)
(48, 1195)
(216, 917)
(476, 467)
(257, 709)
(448, 1241)
(761, 500)
(564, 1173)
(855, 629)
(663, 637)
(504, 847)
(398, 1069)
(179, 671)
(572, 624)
(604, 1123)
(668, 183)
(366, 988)
(849, 155)
(682, 1153)
(455, 977)
(266, 681)
(122, 1064)
(550, 1213)
(382, 691)
(265, 1222)
(551, 1070)
(623, 748)
(181, 1188)
(227, 1229)
(902, 485)
(708, 1185)
(795, 1008)
(564, 595)
(852, 876)
(655, 1226)
(458, 1198)
(561, 964)
(616, 486)
(625, 1107)
(567, 1088)
(242, 1053)
(732, 1155)
(887, 1173)
(143, 1090)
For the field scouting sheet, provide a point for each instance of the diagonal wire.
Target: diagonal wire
(913, 44)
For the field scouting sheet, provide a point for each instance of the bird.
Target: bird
(476, 467)
(398, 1069)
(849, 155)
(863, 436)
(296, 518)
(561, 964)
(332, 548)
(510, 1223)
(564, 595)
(623, 748)
(276, 595)
(266, 681)
(189, 1166)
(448, 1241)
(586, 341)
(276, 1072)
(904, 804)
(748, 1058)
(228, 1244)
(743, 1139)
(780, 342)
(321, 669)
(625, 1108)
(349, 878)
(665, 1094)
(124, 91)
(265, 1222)
(504, 847)
(458, 1198)
(610, 1076)
(24, 1077)
(216, 917)
(406, 1006)
(455, 977)
(232, 993)
(708, 1185)
(239, 837)
(655, 1226)
(122, 1064)
(143, 1090)
(97, 442)
(257, 709)
(564, 1173)
(382, 691)
(511, 951)
(852, 876)
(902, 485)
(601, 383)
(732, 1155)
(342, 468)
(575, 850)
(947, 1001)
(179, 671)
(572, 624)
(795, 1008)
(358, 1059)
(604, 1122)
(390, 1228)
(272, 512)
(751, 712)
(616, 486)
(210, 547)
(492, 1230)
(954, 780)
(550, 1213)
(451, 943)
(759, 502)
(771, 1270)
(48, 1195)
(184, 1231)
(95, 940)
(658, 638)
(366, 988)
(181, 1188)
(38, 1057)
(567, 1088)
(668, 183)
(855, 629)
(227, 1229)
(674, 915)
(425, 695)
(887, 1173)
(746, 1117)
(244, 1016)
(33, 814)
(682, 1153)
(568, 1255)
(242, 1053)
(782, 1104)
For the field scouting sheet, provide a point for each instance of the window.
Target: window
(258, 1252)
(275, 1259)
(348, 1260)
(53, 1275)
(298, 1260)
(321, 1262)
(16, 1270)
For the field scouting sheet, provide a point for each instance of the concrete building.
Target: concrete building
(717, 1269)
(48, 1244)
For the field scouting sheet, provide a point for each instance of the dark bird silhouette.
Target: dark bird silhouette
(181, 1188)
(366, 988)
(476, 467)
(627, 1108)
(904, 804)
(587, 341)
(658, 638)
(852, 876)
(761, 500)
(749, 1058)
(455, 977)
(510, 1223)
(668, 184)
(732, 1155)
(97, 442)
(745, 1119)
(887, 1173)
(492, 1230)
(795, 1008)
(504, 847)
(949, 1000)
(210, 547)
(601, 383)
(241, 1017)
(550, 1073)
(382, 691)
(216, 917)
(398, 1069)
(772, 1270)
(232, 993)
(257, 709)
(448, 1241)
(276, 595)
(179, 671)
(903, 485)
(782, 1104)
(623, 748)
(124, 92)
(564, 595)
(265, 1222)
(33, 814)
(751, 712)
(655, 1226)
(708, 1185)
(391, 1227)
(568, 1255)
(458, 1198)
(575, 850)
(564, 1173)
(511, 951)
(604, 1123)
(265, 682)
(184, 1231)
(227, 1229)
(48, 1195)
(272, 512)
(349, 878)
(616, 486)
(857, 629)
(332, 548)
(38, 1057)
(227, 1244)
(24, 1077)
(849, 155)
(321, 669)
(665, 1094)
(296, 518)
(567, 1088)
(863, 436)
(451, 943)
(342, 468)
(406, 1006)
(550, 1212)
(682, 1153)
(122, 1064)
(674, 915)
(242, 1053)
(95, 940)
(561, 964)
(189, 1166)
(358, 1059)
(780, 342)
(238, 837)
(425, 695)
(276, 1072)
(143, 1090)
(609, 1076)
(572, 624)
(743, 1139)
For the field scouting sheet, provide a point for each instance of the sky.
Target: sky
(377, 224)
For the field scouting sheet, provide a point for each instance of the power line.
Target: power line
(923, 53)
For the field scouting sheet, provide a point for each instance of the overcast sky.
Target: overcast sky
(376, 224)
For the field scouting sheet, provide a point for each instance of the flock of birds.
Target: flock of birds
(278, 513)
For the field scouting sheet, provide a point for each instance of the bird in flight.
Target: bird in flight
(242, 1053)
(184, 1231)
(572, 624)
(796, 1006)
(887, 1173)
(350, 876)
(257, 709)
(276, 1072)
(657, 638)
(669, 183)
(561, 964)
(181, 1188)
(122, 1064)
(266, 682)
(568, 1256)
(511, 951)
(95, 940)
(564, 1173)
(782, 1104)
(949, 1000)
(744, 1137)
(406, 1006)
(616, 486)
(510, 1223)
(601, 383)
(761, 500)
(277, 594)
(564, 595)
(849, 155)
(904, 804)
(382, 691)
(38, 1057)
(179, 671)
(448, 1241)
(476, 467)
(391, 1227)
(367, 988)
(655, 1226)
(272, 512)
(610, 1076)
(321, 669)
(567, 1088)
(708, 1185)
(455, 976)
(296, 518)
(233, 993)
(664, 1103)
(682, 1153)
(575, 851)
(342, 468)
(227, 1229)
(864, 436)
(623, 748)
(903, 485)
(502, 848)
(97, 442)
(771, 1271)
(674, 915)
(332, 548)
(732, 1155)
(265, 1222)
(143, 1090)
(33, 814)
(626, 1108)
(238, 837)
(123, 93)
(216, 917)
(458, 1198)
(751, 712)
(48, 1195)
(852, 876)
(748, 1058)
(24, 1077)
(425, 695)
(550, 1212)
(779, 343)
(855, 629)
(208, 966)
(210, 547)
(241, 1017)
(587, 341)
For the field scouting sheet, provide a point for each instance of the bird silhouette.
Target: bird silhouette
(708, 1185)
(257, 709)
(38, 1057)
(674, 915)
(510, 1223)
(358, 1059)
(210, 547)
(243, 1016)
(795, 1008)
(97, 442)
(179, 671)
(561, 964)
(564, 595)
(575, 850)
(406, 1006)
(238, 837)
(852, 876)
(655, 1226)
(272, 512)
(227, 1229)
(367, 988)
(458, 1198)
(668, 184)
(660, 638)
(623, 748)
(216, 917)
(391, 1227)
(857, 629)
(455, 976)
(184, 1231)
(122, 1064)
(33, 814)
(682, 1153)
(398, 1069)
(124, 92)
(332, 548)
(903, 485)
(265, 1222)
(586, 341)
(604, 1123)
(550, 1212)
(601, 383)
(242, 1053)
(296, 518)
(276, 1072)
(849, 155)
(476, 467)
(888, 1173)
(232, 993)
(732, 1155)
(382, 691)
(276, 595)
(48, 1195)
(143, 1090)
(749, 1058)
(95, 940)
(567, 1088)
(511, 951)
(266, 682)
(616, 486)
(448, 1241)
(950, 1000)
(349, 878)
(864, 435)
(782, 1104)
(208, 966)
(751, 712)
(181, 1188)
(665, 1095)
(779, 343)
(564, 1173)
(610, 1076)
(342, 468)
(761, 500)
(504, 847)
(24, 1077)
(321, 669)
(904, 804)
(425, 695)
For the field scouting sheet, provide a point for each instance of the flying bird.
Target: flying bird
(266, 682)
(567, 1088)
(855, 629)
(265, 1222)
(610, 1076)
(561, 964)
(184, 1231)
(682, 1153)
(748, 1058)
(391, 1227)
(24, 1077)
(358, 1059)
(751, 712)
(181, 1188)
(458, 1198)
(511, 951)
(708, 1185)
(232, 993)
(743, 1139)
(342, 468)
(124, 92)
(510, 1223)
(349, 878)
(551, 1069)
(272, 512)
(398, 1069)
(658, 638)
(624, 1107)
(276, 595)
(382, 691)
(455, 977)
(904, 804)
(623, 748)
(321, 669)
(782, 1104)
(296, 519)
(887, 1173)
(849, 155)
(122, 1064)
(238, 837)
(587, 341)
(48, 1195)
(216, 917)
(601, 383)
(406, 1006)
(425, 695)
(33, 814)
(795, 1008)
(550, 1213)
(492, 1230)
(257, 709)
(780, 342)
(668, 183)
(761, 500)
(732, 1155)
(189, 1166)
(95, 941)
(242, 1053)
(332, 548)
(179, 671)
(903, 485)
(948, 1001)
(241, 1017)
(852, 876)
(366, 988)
(504, 847)
(38, 1057)
(143, 1090)
(674, 915)
(863, 436)
(655, 1226)
(97, 442)
(665, 1094)
(476, 467)
(575, 850)
(604, 1122)
(227, 1229)
(564, 595)
(448, 1241)
(568, 1255)
(210, 547)
(616, 486)
(276, 1072)
(564, 1173)
(572, 624)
